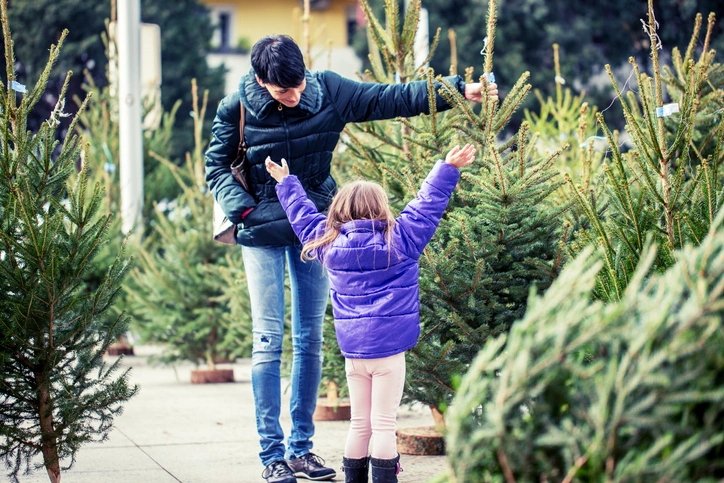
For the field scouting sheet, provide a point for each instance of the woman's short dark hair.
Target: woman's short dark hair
(277, 60)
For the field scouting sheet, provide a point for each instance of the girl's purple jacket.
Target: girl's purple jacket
(375, 291)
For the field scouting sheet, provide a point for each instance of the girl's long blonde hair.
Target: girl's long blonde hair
(359, 200)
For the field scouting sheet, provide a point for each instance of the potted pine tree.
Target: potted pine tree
(499, 238)
(180, 292)
(98, 124)
(332, 405)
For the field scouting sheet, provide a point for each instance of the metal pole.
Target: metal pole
(130, 115)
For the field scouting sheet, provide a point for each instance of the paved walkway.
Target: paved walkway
(177, 432)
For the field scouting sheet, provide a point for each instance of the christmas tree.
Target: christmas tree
(567, 118)
(668, 186)
(180, 293)
(649, 406)
(98, 124)
(615, 373)
(56, 392)
(500, 236)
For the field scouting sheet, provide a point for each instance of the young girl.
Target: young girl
(372, 262)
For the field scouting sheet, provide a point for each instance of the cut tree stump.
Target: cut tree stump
(212, 376)
(327, 410)
(420, 440)
(120, 351)
(121, 347)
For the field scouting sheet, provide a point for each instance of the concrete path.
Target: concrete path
(177, 432)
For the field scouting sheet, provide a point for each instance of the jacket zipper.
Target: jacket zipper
(286, 133)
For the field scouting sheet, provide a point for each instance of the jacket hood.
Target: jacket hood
(260, 103)
(363, 225)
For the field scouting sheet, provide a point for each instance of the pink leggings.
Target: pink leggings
(375, 390)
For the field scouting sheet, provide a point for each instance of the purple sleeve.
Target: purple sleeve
(418, 221)
(308, 224)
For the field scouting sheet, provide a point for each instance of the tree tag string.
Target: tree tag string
(485, 44)
(653, 35)
(490, 76)
(54, 120)
(592, 138)
(625, 85)
(716, 115)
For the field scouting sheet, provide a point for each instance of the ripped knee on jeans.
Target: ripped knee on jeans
(263, 341)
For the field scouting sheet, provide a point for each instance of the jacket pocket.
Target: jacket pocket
(264, 212)
(267, 225)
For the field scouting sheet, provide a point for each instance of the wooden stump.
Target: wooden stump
(206, 376)
(420, 440)
(121, 347)
(327, 410)
(119, 350)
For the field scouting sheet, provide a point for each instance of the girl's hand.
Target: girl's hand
(461, 157)
(277, 172)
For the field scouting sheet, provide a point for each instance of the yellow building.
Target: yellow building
(240, 23)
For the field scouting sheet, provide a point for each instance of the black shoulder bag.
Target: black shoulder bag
(225, 230)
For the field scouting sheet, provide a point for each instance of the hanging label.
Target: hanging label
(667, 109)
(18, 87)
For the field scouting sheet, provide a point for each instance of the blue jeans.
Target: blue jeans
(265, 272)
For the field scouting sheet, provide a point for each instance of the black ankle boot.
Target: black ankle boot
(385, 471)
(356, 470)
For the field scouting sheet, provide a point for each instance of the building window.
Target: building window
(352, 14)
(223, 38)
(224, 30)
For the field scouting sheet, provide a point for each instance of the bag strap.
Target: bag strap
(242, 117)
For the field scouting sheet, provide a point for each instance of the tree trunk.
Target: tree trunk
(332, 393)
(49, 443)
(439, 418)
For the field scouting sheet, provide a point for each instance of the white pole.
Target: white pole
(421, 45)
(422, 40)
(129, 106)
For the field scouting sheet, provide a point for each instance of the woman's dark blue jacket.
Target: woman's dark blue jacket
(304, 135)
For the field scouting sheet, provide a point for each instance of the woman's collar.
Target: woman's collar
(260, 103)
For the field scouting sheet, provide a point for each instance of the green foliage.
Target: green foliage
(56, 392)
(567, 118)
(630, 389)
(40, 23)
(186, 31)
(180, 291)
(500, 234)
(669, 185)
(99, 125)
(243, 44)
(589, 34)
(333, 366)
